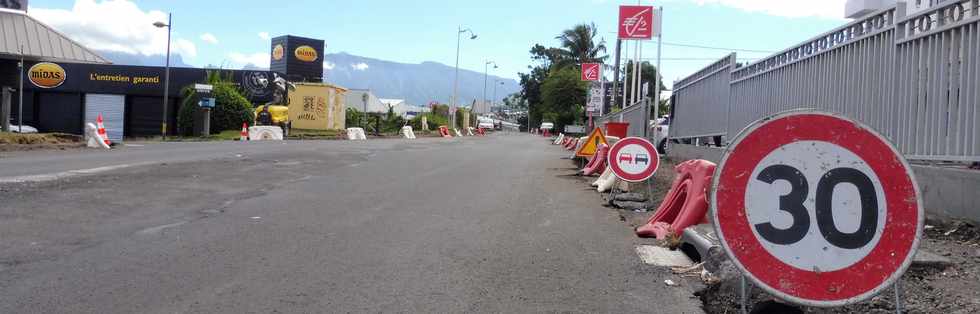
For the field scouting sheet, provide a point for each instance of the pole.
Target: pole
(452, 106)
(660, 77)
(166, 77)
(485, 67)
(615, 88)
(20, 93)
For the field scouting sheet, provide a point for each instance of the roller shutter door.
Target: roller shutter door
(112, 108)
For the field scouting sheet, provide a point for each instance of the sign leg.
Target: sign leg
(743, 299)
(898, 296)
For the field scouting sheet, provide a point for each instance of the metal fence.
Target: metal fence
(632, 115)
(705, 96)
(913, 78)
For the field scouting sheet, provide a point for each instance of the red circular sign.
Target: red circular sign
(817, 209)
(633, 159)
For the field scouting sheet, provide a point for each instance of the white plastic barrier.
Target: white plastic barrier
(469, 131)
(561, 137)
(93, 138)
(356, 134)
(603, 177)
(265, 133)
(408, 132)
(458, 133)
(604, 185)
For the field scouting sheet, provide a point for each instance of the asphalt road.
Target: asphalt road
(490, 224)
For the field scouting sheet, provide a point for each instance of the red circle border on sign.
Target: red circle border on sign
(614, 163)
(864, 279)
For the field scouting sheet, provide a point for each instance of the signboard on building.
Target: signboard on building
(317, 107)
(299, 58)
(636, 22)
(817, 209)
(14, 4)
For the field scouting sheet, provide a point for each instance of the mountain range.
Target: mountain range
(418, 84)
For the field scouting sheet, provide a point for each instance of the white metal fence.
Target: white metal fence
(913, 78)
(632, 115)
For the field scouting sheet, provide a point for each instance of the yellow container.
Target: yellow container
(317, 106)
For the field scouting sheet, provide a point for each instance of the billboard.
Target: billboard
(591, 71)
(636, 22)
(301, 59)
(317, 107)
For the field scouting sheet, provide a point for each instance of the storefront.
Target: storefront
(61, 97)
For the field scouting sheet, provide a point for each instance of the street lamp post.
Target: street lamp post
(494, 100)
(485, 66)
(459, 40)
(166, 75)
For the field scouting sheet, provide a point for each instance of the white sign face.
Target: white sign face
(634, 159)
(770, 202)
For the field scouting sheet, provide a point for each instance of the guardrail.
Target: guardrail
(632, 115)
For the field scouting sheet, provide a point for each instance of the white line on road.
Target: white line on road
(65, 174)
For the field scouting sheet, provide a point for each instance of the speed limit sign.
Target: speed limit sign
(817, 209)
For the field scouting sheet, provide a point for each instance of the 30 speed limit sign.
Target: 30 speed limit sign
(817, 209)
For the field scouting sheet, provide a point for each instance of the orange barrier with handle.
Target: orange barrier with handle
(444, 131)
(598, 162)
(685, 205)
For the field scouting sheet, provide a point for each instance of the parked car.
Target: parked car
(547, 126)
(26, 129)
(659, 128)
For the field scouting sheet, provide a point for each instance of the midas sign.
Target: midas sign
(47, 75)
(306, 54)
(278, 52)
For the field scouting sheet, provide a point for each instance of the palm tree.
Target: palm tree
(579, 45)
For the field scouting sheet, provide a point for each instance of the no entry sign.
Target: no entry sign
(633, 159)
(817, 209)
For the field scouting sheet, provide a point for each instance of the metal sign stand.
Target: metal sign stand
(898, 296)
(743, 299)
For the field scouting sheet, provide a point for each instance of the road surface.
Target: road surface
(488, 224)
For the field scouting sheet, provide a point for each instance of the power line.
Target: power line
(710, 47)
(716, 48)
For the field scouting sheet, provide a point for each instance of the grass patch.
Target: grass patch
(304, 134)
(229, 135)
(38, 138)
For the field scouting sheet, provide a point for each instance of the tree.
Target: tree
(563, 96)
(231, 109)
(580, 46)
(649, 74)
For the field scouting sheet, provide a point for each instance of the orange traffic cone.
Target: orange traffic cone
(102, 134)
(244, 134)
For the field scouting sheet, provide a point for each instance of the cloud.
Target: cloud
(360, 66)
(264, 35)
(260, 59)
(127, 29)
(328, 65)
(786, 8)
(209, 38)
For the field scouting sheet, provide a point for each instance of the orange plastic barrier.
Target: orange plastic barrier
(598, 162)
(444, 131)
(685, 205)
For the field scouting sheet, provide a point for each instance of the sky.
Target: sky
(233, 33)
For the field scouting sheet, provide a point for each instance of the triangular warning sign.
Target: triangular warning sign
(592, 144)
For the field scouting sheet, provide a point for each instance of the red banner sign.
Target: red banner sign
(636, 22)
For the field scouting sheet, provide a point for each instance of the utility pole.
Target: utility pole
(615, 88)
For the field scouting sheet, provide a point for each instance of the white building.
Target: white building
(364, 101)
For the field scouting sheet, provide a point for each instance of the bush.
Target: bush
(433, 120)
(230, 111)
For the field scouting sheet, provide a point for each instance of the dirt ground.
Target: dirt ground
(24, 142)
(926, 289)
